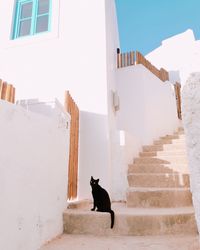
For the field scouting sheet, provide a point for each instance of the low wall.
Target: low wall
(33, 176)
(191, 122)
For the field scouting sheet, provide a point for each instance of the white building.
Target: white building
(49, 46)
(179, 54)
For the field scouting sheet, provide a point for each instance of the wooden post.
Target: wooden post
(132, 61)
(125, 60)
(177, 88)
(72, 109)
(8, 92)
(118, 58)
(4, 89)
(12, 95)
(128, 59)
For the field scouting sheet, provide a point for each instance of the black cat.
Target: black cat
(101, 199)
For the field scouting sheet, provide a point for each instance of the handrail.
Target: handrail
(134, 58)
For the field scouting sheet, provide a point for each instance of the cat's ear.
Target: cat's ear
(97, 181)
(91, 177)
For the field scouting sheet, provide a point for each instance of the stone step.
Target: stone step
(163, 153)
(179, 133)
(158, 197)
(164, 160)
(131, 221)
(158, 168)
(168, 141)
(158, 180)
(150, 148)
(162, 142)
(180, 136)
(169, 137)
(148, 168)
(177, 146)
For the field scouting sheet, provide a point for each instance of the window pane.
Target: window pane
(42, 23)
(43, 7)
(25, 27)
(26, 10)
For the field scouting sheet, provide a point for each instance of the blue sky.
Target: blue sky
(143, 24)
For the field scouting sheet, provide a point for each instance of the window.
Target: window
(31, 17)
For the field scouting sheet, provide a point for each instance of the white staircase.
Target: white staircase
(158, 198)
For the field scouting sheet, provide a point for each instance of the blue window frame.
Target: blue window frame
(31, 17)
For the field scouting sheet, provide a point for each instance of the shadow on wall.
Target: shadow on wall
(94, 153)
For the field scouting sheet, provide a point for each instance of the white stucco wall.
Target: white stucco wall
(180, 55)
(191, 122)
(73, 56)
(33, 176)
(94, 153)
(147, 109)
(117, 178)
(99, 137)
(70, 57)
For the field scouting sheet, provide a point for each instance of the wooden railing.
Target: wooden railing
(177, 88)
(133, 58)
(7, 92)
(125, 59)
(72, 108)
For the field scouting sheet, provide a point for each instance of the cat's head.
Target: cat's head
(94, 182)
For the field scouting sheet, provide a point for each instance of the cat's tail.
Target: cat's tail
(112, 217)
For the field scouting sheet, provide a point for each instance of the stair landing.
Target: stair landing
(130, 221)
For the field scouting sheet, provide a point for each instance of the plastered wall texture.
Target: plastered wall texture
(191, 123)
(33, 176)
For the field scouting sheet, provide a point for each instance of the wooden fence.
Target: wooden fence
(73, 110)
(133, 58)
(7, 92)
(125, 59)
(177, 88)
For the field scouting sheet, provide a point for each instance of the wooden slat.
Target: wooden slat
(73, 110)
(120, 61)
(123, 60)
(8, 92)
(177, 88)
(118, 58)
(126, 59)
(132, 62)
(4, 89)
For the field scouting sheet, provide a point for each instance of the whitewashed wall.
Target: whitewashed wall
(73, 56)
(99, 140)
(33, 176)
(70, 57)
(180, 55)
(191, 122)
(147, 109)
(117, 178)
(94, 152)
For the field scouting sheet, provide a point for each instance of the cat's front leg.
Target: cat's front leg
(94, 206)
